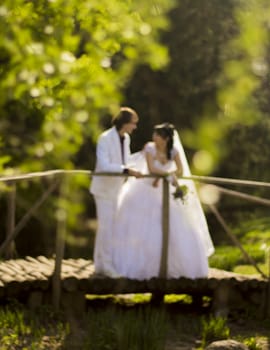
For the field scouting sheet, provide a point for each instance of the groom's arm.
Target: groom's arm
(104, 161)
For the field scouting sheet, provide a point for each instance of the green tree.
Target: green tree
(66, 61)
(243, 98)
(217, 76)
(62, 64)
(185, 91)
(244, 110)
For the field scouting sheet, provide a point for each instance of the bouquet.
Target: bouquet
(180, 192)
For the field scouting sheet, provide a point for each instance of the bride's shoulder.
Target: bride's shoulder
(149, 147)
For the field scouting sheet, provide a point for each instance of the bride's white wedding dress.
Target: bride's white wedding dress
(138, 231)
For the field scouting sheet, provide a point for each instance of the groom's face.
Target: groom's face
(130, 126)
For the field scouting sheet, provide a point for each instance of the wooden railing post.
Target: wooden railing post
(235, 240)
(165, 229)
(11, 237)
(60, 247)
(10, 251)
(266, 303)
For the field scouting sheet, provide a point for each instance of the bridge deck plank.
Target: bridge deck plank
(41, 268)
(34, 275)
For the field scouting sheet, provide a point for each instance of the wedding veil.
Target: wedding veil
(193, 204)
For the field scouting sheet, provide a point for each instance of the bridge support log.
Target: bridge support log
(73, 303)
(221, 300)
(35, 299)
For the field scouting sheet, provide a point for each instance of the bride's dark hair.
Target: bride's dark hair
(166, 131)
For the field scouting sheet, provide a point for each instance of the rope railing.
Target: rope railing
(60, 242)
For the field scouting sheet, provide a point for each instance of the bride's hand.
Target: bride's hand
(155, 182)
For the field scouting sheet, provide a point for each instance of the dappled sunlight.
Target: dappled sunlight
(209, 194)
(203, 161)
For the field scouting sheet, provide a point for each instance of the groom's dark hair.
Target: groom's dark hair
(123, 117)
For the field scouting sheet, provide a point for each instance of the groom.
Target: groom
(112, 155)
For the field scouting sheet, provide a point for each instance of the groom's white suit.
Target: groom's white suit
(105, 190)
(112, 155)
(109, 159)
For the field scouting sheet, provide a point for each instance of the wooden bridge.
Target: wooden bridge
(31, 281)
(66, 282)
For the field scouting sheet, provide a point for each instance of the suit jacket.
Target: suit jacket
(109, 159)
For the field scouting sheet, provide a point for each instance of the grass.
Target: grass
(106, 327)
(23, 329)
(254, 236)
(114, 328)
(251, 270)
(115, 325)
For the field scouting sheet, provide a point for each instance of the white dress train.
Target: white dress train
(137, 234)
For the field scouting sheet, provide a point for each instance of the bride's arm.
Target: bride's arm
(153, 169)
(151, 165)
(157, 171)
(173, 178)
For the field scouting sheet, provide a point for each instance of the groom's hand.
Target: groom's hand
(134, 172)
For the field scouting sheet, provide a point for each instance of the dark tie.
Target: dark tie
(122, 138)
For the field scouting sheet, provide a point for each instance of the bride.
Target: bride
(137, 242)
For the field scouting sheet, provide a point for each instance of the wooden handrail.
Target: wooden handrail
(206, 179)
(248, 197)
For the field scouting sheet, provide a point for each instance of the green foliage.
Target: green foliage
(251, 343)
(214, 328)
(108, 326)
(21, 328)
(250, 270)
(141, 298)
(62, 64)
(245, 65)
(244, 97)
(225, 258)
(246, 157)
(242, 82)
(217, 77)
(173, 298)
(184, 92)
(66, 64)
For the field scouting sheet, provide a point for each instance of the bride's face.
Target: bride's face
(159, 140)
